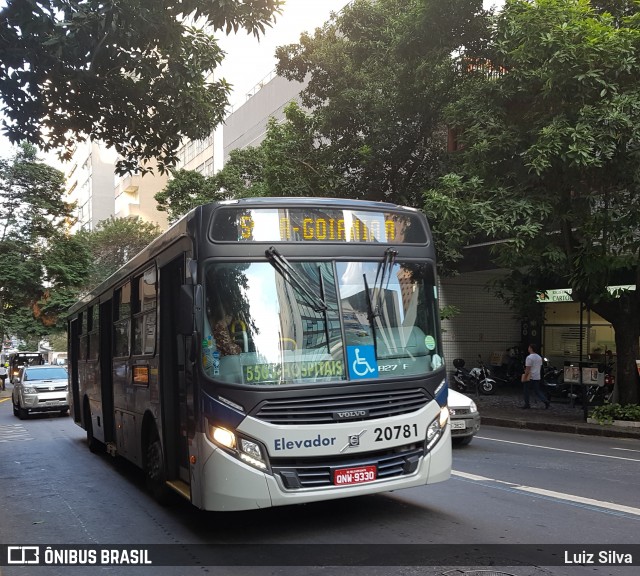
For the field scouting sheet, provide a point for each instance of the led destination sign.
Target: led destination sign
(313, 224)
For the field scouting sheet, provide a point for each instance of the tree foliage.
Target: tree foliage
(44, 268)
(549, 158)
(36, 256)
(379, 75)
(112, 244)
(134, 74)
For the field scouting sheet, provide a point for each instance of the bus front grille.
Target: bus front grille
(322, 409)
(316, 473)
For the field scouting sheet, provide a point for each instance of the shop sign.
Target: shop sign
(564, 294)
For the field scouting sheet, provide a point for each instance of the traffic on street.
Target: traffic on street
(509, 489)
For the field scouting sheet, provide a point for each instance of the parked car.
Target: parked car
(465, 418)
(40, 389)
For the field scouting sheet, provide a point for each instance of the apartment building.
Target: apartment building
(134, 196)
(89, 181)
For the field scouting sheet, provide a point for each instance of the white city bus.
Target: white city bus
(270, 351)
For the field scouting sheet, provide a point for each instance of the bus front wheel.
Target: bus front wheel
(154, 471)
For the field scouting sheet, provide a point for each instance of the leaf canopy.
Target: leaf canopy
(134, 74)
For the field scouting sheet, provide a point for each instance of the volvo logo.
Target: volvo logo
(350, 414)
(353, 441)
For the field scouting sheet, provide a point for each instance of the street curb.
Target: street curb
(585, 429)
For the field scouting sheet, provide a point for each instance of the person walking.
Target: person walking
(3, 375)
(532, 376)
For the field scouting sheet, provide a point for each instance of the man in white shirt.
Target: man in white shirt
(532, 375)
(3, 375)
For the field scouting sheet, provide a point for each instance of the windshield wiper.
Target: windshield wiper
(371, 315)
(295, 279)
(385, 266)
(375, 297)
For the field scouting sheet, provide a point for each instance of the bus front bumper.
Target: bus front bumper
(230, 484)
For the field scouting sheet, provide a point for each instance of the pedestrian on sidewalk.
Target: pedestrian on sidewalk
(3, 375)
(532, 377)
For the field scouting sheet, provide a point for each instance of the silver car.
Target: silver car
(465, 418)
(40, 389)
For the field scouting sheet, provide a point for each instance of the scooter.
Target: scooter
(477, 379)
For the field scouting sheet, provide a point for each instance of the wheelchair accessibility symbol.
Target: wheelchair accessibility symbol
(362, 362)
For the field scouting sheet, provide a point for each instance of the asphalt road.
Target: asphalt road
(509, 487)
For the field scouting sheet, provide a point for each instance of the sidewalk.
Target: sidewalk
(503, 409)
(6, 393)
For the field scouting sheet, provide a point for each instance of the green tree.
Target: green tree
(379, 74)
(134, 74)
(549, 159)
(185, 190)
(33, 217)
(112, 244)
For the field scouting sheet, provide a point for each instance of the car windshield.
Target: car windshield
(52, 373)
(282, 323)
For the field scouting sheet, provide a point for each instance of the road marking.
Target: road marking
(5, 399)
(14, 432)
(560, 449)
(551, 493)
(626, 450)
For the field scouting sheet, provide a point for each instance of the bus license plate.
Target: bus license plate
(354, 475)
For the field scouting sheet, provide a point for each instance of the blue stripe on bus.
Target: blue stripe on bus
(221, 413)
(441, 398)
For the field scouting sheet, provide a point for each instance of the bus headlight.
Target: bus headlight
(223, 437)
(251, 453)
(434, 430)
(247, 450)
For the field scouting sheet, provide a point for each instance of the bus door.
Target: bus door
(74, 349)
(176, 376)
(106, 371)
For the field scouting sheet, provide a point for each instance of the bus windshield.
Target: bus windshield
(311, 322)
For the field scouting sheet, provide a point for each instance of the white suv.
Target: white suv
(40, 389)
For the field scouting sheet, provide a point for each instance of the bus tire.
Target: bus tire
(92, 443)
(155, 474)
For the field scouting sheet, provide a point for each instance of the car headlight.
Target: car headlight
(434, 430)
(29, 390)
(245, 449)
(472, 407)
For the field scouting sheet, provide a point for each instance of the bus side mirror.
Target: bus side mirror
(184, 321)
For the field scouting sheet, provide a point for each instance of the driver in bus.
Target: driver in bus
(220, 321)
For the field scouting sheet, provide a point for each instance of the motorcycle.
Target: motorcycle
(600, 394)
(554, 384)
(556, 387)
(477, 379)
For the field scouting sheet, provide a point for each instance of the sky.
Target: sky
(249, 60)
